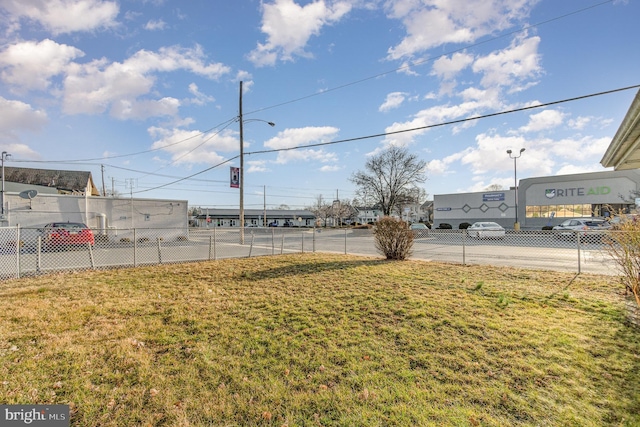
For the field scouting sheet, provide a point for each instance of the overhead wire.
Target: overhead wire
(228, 122)
(336, 88)
(384, 134)
(432, 58)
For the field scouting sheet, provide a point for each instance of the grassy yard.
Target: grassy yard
(322, 340)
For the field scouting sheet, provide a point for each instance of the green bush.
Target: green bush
(393, 238)
(464, 225)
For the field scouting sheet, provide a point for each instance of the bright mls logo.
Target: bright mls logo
(550, 193)
(34, 415)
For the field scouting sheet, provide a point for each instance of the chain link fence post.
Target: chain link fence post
(158, 240)
(345, 241)
(464, 247)
(18, 248)
(135, 248)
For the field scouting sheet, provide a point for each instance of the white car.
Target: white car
(486, 230)
(589, 229)
(419, 230)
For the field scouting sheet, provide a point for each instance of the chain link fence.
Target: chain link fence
(31, 251)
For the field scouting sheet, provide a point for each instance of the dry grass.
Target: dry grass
(308, 340)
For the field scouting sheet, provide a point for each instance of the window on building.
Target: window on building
(561, 211)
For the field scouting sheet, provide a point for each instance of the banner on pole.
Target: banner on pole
(235, 177)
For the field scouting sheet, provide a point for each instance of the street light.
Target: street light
(242, 121)
(516, 226)
(5, 155)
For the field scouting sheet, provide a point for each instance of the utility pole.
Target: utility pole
(264, 202)
(241, 168)
(104, 189)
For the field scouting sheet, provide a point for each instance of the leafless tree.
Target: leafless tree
(389, 177)
(321, 209)
(494, 187)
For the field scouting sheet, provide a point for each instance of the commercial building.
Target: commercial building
(543, 201)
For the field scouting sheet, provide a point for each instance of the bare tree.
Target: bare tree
(494, 187)
(389, 177)
(412, 197)
(321, 209)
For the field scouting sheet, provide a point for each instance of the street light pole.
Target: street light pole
(241, 186)
(4, 157)
(241, 121)
(516, 226)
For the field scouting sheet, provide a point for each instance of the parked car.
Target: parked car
(60, 235)
(617, 220)
(486, 230)
(419, 230)
(589, 229)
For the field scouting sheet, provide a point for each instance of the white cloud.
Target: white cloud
(447, 68)
(64, 16)
(199, 97)
(155, 25)
(580, 123)
(18, 116)
(289, 27)
(31, 65)
(257, 166)
(191, 146)
(475, 102)
(300, 137)
(544, 120)
(330, 168)
(99, 86)
(432, 23)
(394, 100)
(511, 66)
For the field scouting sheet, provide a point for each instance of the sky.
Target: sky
(145, 94)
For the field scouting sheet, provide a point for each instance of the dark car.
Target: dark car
(60, 235)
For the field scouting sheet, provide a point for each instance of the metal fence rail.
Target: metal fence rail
(27, 252)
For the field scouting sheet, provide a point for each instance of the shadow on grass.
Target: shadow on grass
(297, 269)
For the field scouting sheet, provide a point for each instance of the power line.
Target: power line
(226, 124)
(378, 135)
(432, 58)
(451, 122)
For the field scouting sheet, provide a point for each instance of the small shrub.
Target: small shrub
(125, 240)
(182, 238)
(623, 246)
(547, 227)
(362, 227)
(143, 240)
(444, 226)
(393, 238)
(464, 225)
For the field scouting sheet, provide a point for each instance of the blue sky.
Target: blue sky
(145, 93)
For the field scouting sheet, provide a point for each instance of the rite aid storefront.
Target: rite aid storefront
(551, 200)
(543, 201)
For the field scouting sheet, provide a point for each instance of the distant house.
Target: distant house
(367, 215)
(78, 183)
